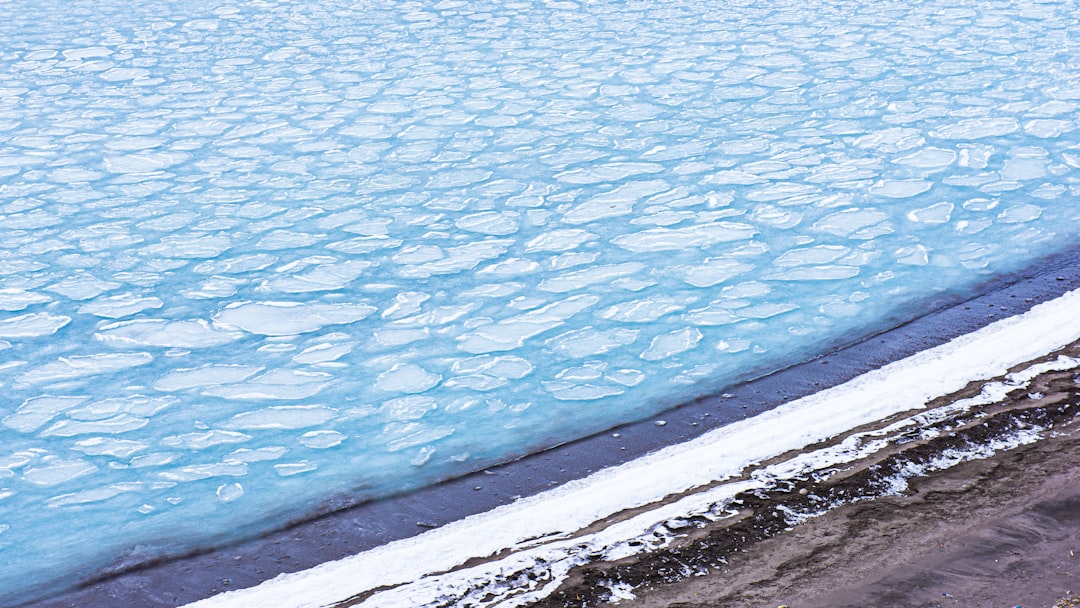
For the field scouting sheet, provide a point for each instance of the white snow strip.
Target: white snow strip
(533, 572)
(720, 454)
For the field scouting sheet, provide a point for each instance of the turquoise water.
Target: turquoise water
(257, 254)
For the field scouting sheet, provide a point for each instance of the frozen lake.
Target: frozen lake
(256, 255)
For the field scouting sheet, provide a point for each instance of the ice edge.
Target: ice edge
(721, 454)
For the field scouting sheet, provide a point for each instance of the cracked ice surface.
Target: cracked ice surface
(256, 254)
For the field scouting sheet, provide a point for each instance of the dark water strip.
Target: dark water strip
(345, 530)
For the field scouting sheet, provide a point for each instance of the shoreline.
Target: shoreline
(341, 533)
(685, 536)
(1000, 531)
(993, 526)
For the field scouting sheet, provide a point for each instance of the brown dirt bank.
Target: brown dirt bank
(1000, 532)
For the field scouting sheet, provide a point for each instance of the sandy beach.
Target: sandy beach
(1000, 532)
